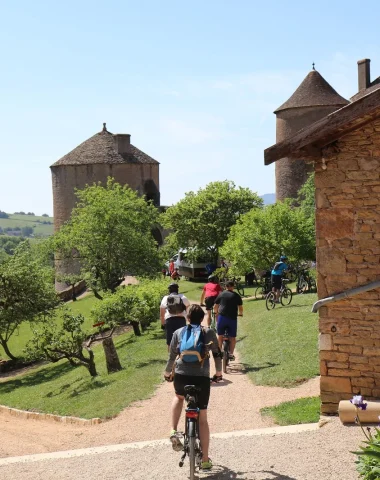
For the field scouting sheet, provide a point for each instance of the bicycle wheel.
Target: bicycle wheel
(270, 301)
(286, 297)
(226, 356)
(192, 450)
(312, 286)
(302, 286)
(259, 292)
(240, 289)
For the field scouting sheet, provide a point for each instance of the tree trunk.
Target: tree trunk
(112, 358)
(73, 296)
(136, 329)
(4, 344)
(99, 297)
(89, 362)
(92, 368)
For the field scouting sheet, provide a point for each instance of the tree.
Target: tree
(204, 219)
(110, 233)
(26, 292)
(306, 200)
(261, 236)
(54, 343)
(27, 231)
(3, 214)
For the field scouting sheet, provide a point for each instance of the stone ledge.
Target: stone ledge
(25, 414)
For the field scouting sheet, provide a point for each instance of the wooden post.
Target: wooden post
(112, 358)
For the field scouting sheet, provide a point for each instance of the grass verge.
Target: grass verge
(303, 410)
(64, 390)
(279, 347)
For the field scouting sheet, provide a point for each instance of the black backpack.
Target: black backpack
(174, 304)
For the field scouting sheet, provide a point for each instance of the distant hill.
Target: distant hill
(42, 226)
(269, 198)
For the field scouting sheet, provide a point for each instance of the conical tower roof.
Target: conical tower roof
(314, 91)
(101, 148)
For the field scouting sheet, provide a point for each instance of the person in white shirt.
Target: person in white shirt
(173, 311)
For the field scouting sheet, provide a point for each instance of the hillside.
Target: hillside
(269, 198)
(39, 228)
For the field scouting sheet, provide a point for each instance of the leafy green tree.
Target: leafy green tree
(204, 219)
(53, 343)
(26, 292)
(27, 231)
(3, 214)
(110, 233)
(306, 198)
(261, 236)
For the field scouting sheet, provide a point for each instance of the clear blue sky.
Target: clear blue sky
(194, 83)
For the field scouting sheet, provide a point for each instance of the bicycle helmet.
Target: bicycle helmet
(173, 287)
(283, 257)
(211, 278)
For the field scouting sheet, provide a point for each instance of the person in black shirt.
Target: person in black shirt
(228, 306)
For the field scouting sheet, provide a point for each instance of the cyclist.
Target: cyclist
(193, 373)
(175, 319)
(209, 294)
(277, 273)
(227, 306)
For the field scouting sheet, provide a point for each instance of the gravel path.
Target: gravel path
(321, 454)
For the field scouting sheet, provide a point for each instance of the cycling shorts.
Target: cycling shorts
(171, 325)
(210, 302)
(180, 381)
(276, 281)
(229, 323)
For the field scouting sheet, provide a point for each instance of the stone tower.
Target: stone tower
(101, 156)
(313, 100)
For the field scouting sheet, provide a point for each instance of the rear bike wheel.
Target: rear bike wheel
(286, 297)
(192, 449)
(302, 286)
(270, 301)
(240, 289)
(226, 355)
(259, 292)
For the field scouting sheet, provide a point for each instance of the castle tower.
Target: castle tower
(101, 156)
(313, 100)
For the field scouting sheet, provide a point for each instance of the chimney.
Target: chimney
(122, 142)
(364, 74)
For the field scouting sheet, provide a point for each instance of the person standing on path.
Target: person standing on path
(173, 311)
(193, 373)
(210, 293)
(228, 306)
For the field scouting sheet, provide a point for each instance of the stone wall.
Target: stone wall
(348, 255)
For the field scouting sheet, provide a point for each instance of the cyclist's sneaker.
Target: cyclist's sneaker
(232, 357)
(216, 378)
(176, 442)
(207, 465)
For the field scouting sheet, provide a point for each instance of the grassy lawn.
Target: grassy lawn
(64, 390)
(303, 410)
(279, 347)
(29, 221)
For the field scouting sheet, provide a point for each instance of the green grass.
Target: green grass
(29, 221)
(303, 410)
(279, 347)
(63, 390)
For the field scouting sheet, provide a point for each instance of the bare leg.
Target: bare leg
(220, 341)
(177, 406)
(208, 318)
(232, 344)
(204, 434)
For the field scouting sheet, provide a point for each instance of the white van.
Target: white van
(190, 268)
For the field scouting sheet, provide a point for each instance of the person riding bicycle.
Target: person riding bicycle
(173, 316)
(227, 305)
(210, 293)
(193, 373)
(277, 274)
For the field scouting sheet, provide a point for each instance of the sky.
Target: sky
(194, 83)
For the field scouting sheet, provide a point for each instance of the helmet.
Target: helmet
(173, 287)
(211, 278)
(283, 257)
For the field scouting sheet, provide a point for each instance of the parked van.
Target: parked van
(191, 268)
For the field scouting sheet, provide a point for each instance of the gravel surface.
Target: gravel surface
(321, 454)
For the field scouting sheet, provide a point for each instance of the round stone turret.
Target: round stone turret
(314, 99)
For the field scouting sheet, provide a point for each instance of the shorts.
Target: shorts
(276, 281)
(180, 381)
(226, 322)
(171, 325)
(210, 302)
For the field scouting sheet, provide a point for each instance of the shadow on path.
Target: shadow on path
(220, 472)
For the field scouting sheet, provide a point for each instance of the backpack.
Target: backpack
(174, 304)
(191, 346)
(276, 265)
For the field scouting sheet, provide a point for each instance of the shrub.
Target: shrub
(135, 304)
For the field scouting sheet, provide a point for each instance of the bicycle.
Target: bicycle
(192, 445)
(305, 282)
(226, 350)
(213, 320)
(263, 289)
(285, 298)
(237, 283)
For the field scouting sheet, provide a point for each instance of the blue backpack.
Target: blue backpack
(191, 346)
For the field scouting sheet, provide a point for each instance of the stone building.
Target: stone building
(313, 100)
(344, 148)
(101, 156)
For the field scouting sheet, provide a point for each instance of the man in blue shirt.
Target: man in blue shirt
(277, 273)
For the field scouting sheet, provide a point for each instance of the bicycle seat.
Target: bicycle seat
(191, 389)
(285, 280)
